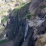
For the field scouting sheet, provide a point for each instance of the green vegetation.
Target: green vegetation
(20, 1)
(30, 15)
(3, 11)
(41, 7)
(4, 41)
(19, 7)
(3, 20)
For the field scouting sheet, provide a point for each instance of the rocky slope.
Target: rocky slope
(17, 24)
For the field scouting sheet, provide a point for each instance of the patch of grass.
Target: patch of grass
(41, 7)
(4, 41)
(3, 20)
(3, 11)
(30, 15)
(19, 7)
(20, 0)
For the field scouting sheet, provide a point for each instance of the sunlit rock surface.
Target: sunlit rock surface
(36, 22)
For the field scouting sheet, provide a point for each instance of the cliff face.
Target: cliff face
(17, 19)
(17, 23)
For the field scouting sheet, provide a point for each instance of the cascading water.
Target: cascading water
(26, 30)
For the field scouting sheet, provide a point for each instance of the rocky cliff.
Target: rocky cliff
(17, 24)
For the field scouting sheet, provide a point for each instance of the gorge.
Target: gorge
(27, 32)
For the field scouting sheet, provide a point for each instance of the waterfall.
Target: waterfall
(26, 30)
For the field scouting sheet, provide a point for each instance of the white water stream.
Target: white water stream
(26, 30)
